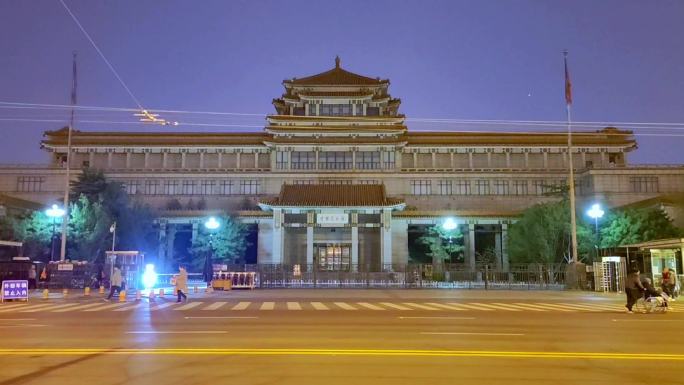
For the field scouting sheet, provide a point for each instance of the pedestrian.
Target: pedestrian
(182, 284)
(115, 282)
(665, 281)
(32, 277)
(672, 285)
(633, 289)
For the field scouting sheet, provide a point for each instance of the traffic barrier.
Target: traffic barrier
(122, 296)
(86, 291)
(101, 291)
(209, 289)
(138, 295)
(46, 294)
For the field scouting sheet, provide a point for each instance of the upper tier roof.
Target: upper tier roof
(336, 76)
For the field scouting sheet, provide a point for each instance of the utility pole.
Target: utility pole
(571, 181)
(67, 176)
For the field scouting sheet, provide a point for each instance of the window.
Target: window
(461, 187)
(368, 181)
(519, 187)
(642, 184)
(171, 187)
(368, 160)
(482, 187)
(152, 187)
(335, 160)
(225, 187)
(207, 187)
(359, 109)
(312, 109)
(132, 187)
(30, 183)
(249, 187)
(336, 181)
(540, 187)
(388, 158)
(188, 187)
(281, 160)
(501, 187)
(303, 160)
(421, 187)
(445, 187)
(335, 109)
(543, 187)
(302, 181)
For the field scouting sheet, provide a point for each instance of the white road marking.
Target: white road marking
(179, 332)
(160, 306)
(15, 305)
(544, 307)
(419, 306)
(241, 306)
(215, 306)
(594, 307)
(267, 306)
(22, 326)
(134, 306)
(345, 306)
(369, 306)
(76, 308)
(472, 334)
(495, 307)
(319, 306)
(26, 307)
(222, 317)
(462, 318)
(471, 307)
(646, 320)
(519, 307)
(555, 306)
(51, 307)
(17, 319)
(294, 306)
(189, 306)
(449, 307)
(105, 307)
(395, 306)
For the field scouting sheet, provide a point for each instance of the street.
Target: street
(336, 337)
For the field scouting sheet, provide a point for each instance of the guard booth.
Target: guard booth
(132, 264)
(656, 255)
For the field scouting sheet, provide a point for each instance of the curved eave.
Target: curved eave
(265, 206)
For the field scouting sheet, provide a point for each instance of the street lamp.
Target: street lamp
(596, 212)
(211, 224)
(54, 212)
(449, 224)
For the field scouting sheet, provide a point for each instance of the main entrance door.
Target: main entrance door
(332, 256)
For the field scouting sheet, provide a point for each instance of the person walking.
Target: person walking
(32, 274)
(115, 282)
(182, 284)
(633, 289)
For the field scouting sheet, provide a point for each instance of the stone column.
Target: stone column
(489, 159)
(256, 160)
(354, 241)
(451, 160)
(170, 239)
(470, 160)
(201, 154)
(434, 159)
(546, 160)
(400, 241)
(470, 256)
(527, 160)
(183, 159)
(220, 159)
(109, 160)
(386, 238)
(238, 165)
(165, 156)
(265, 243)
(504, 247)
(309, 239)
(91, 159)
(147, 160)
(497, 248)
(415, 160)
(161, 249)
(128, 159)
(278, 233)
(508, 160)
(195, 229)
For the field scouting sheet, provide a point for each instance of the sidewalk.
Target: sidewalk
(361, 294)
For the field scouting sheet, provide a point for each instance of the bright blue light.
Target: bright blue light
(449, 224)
(149, 277)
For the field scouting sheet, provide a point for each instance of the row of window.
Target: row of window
(336, 160)
(485, 187)
(644, 184)
(335, 181)
(193, 187)
(30, 183)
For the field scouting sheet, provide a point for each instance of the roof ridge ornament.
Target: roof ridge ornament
(337, 61)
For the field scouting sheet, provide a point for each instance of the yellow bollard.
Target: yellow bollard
(86, 292)
(65, 292)
(138, 295)
(161, 292)
(46, 294)
(122, 296)
(101, 289)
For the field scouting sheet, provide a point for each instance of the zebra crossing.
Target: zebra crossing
(240, 306)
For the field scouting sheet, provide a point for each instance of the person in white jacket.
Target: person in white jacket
(115, 282)
(182, 284)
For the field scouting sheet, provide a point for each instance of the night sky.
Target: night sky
(446, 59)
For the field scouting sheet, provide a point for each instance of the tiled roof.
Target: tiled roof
(319, 195)
(603, 137)
(350, 94)
(337, 76)
(59, 138)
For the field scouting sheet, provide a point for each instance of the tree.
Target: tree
(542, 235)
(35, 231)
(442, 244)
(629, 226)
(227, 244)
(88, 230)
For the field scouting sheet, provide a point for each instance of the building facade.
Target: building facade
(336, 179)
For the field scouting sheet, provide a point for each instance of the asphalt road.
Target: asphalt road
(342, 337)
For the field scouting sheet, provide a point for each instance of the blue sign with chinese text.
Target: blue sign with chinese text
(15, 289)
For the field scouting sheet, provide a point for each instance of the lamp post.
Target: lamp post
(596, 212)
(54, 212)
(211, 224)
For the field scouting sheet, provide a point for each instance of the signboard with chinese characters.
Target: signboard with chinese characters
(332, 219)
(15, 289)
(65, 266)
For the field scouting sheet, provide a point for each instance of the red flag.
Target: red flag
(568, 85)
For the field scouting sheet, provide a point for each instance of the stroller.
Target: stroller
(653, 301)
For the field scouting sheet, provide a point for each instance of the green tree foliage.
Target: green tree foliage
(623, 227)
(88, 230)
(542, 235)
(227, 244)
(442, 244)
(35, 231)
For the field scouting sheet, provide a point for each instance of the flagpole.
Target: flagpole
(571, 182)
(67, 176)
